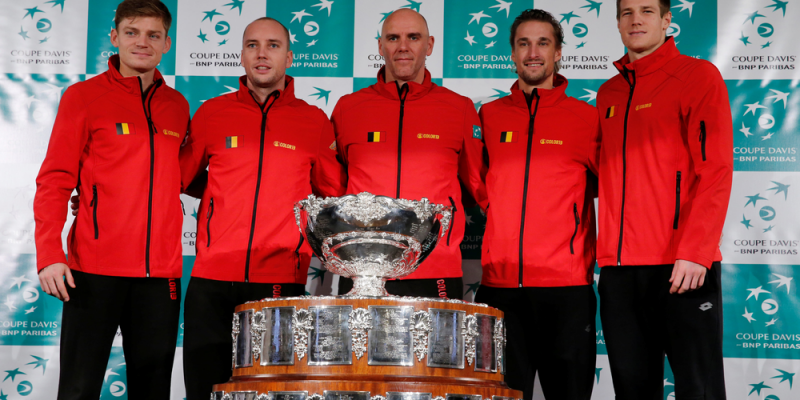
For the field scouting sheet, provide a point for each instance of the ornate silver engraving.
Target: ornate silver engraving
(235, 337)
(262, 396)
(315, 396)
(394, 298)
(499, 341)
(438, 398)
(377, 397)
(257, 329)
(360, 321)
(420, 329)
(301, 326)
(470, 330)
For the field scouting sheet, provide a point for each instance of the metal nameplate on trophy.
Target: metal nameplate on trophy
(344, 395)
(502, 398)
(446, 341)
(244, 395)
(390, 336)
(278, 344)
(244, 350)
(456, 396)
(407, 396)
(285, 395)
(329, 340)
(485, 349)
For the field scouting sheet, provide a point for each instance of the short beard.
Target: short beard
(534, 80)
(266, 82)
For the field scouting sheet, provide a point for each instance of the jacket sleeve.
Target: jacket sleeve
(471, 166)
(706, 109)
(58, 177)
(194, 157)
(328, 177)
(338, 128)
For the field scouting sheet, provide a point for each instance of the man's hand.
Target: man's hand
(687, 276)
(74, 204)
(51, 278)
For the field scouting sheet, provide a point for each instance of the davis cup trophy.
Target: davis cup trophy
(368, 345)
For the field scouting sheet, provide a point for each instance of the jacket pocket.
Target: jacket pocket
(577, 223)
(677, 200)
(93, 204)
(208, 222)
(452, 220)
(702, 139)
(297, 250)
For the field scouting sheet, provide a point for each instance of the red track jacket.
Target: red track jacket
(427, 138)
(540, 212)
(261, 159)
(119, 148)
(666, 160)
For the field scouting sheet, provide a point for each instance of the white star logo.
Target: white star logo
(10, 303)
(771, 322)
(311, 43)
(685, 5)
(503, 5)
(783, 281)
(470, 39)
(109, 372)
(30, 310)
(751, 108)
(748, 316)
(745, 130)
(491, 44)
(292, 37)
(779, 96)
(755, 292)
(468, 219)
(590, 96)
(18, 281)
(299, 16)
(668, 383)
(231, 89)
(767, 136)
(30, 100)
(476, 17)
(324, 4)
(54, 89)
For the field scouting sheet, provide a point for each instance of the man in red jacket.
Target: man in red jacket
(116, 140)
(406, 137)
(538, 249)
(665, 179)
(265, 150)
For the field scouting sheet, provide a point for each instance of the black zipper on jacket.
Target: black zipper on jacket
(93, 204)
(455, 210)
(632, 84)
(208, 222)
(577, 222)
(703, 139)
(531, 120)
(402, 92)
(264, 110)
(297, 250)
(147, 98)
(677, 200)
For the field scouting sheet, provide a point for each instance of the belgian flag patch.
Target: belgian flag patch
(374, 137)
(231, 142)
(610, 112)
(508, 137)
(124, 128)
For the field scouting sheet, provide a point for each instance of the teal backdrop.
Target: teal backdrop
(48, 45)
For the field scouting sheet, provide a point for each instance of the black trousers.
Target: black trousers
(145, 309)
(208, 312)
(451, 288)
(642, 322)
(549, 330)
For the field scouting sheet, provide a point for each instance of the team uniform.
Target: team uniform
(539, 244)
(413, 141)
(261, 159)
(118, 146)
(666, 168)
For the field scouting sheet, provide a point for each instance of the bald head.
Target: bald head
(269, 22)
(405, 43)
(405, 17)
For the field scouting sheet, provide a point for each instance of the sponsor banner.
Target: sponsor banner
(210, 35)
(321, 35)
(371, 14)
(694, 27)
(585, 89)
(198, 89)
(761, 312)
(472, 277)
(591, 37)
(757, 40)
(98, 41)
(749, 378)
(28, 315)
(765, 125)
(29, 372)
(473, 235)
(47, 37)
(190, 210)
(481, 91)
(762, 220)
(476, 38)
(322, 92)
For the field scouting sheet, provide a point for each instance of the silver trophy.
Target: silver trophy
(371, 238)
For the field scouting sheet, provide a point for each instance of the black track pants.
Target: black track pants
(642, 322)
(146, 310)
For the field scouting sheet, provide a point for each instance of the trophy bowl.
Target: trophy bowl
(371, 238)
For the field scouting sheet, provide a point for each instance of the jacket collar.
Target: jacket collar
(276, 98)
(547, 97)
(651, 62)
(391, 90)
(130, 84)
